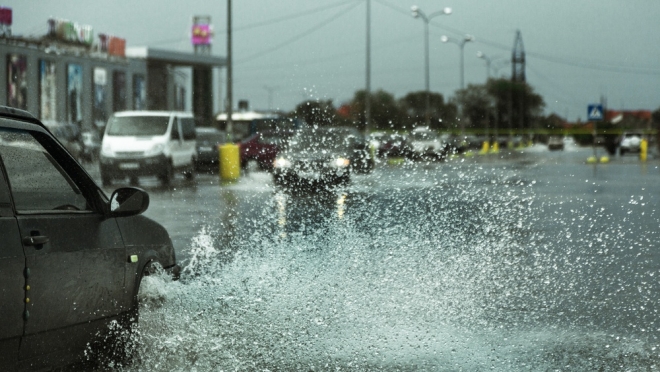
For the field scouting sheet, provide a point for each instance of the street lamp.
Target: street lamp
(481, 55)
(461, 45)
(418, 13)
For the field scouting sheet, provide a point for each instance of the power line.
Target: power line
(292, 16)
(263, 23)
(301, 35)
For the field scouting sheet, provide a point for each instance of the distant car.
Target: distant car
(72, 259)
(630, 142)
(208, 140)
(148, 143)
(263, 147)
(360, 155)
(314, 157)
(555, 143)
(395, 145)
(426, 144)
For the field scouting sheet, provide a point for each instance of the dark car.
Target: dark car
(395, 145)
(263, 147)
(71, 260)
(361, 159)
(208, 140)
(313, 157)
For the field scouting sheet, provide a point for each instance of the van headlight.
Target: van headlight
(281, 163)
(157, 149)
(340, 163)
(106, 150)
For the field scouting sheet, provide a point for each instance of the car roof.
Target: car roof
(14, 113)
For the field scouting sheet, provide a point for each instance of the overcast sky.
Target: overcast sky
(577, 50)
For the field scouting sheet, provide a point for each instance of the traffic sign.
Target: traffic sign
(595, 112)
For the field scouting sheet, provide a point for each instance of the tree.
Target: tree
(443, 116)
(385, 111)
(319, 112)
(476, 104)
(516, 104)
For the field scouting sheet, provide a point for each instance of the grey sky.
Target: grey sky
(576, 49)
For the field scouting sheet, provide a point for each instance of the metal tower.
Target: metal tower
(518, 59)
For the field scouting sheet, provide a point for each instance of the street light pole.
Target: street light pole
(418, 13)
(230, 81)
(461, 45)
(367, 104)
(481, 55)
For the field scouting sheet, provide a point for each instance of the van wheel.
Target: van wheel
(166, 178)
(189, 174)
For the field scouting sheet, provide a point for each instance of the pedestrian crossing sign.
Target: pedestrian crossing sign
(595, 112)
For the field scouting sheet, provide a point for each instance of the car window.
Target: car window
(37, 182)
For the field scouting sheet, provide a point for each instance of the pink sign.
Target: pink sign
(201, 35)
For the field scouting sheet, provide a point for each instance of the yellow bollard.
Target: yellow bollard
(230, 162)
(484, 148)
(643, 149)
(495, 148)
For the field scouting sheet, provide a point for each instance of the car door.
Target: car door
(12, 281)
(75, 260)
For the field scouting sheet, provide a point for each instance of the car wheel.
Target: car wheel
(190, 173)
(166, 177)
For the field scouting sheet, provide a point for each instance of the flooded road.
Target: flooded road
(529, 261)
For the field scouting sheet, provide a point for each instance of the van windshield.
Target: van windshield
(138, 125)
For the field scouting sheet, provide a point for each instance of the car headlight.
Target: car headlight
(281, 163)
(155, 150)
(340, 162)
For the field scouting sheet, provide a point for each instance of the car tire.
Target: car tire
(166, 177)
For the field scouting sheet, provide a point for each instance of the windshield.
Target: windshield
(316, 141)
(138, 125)
(423, 136)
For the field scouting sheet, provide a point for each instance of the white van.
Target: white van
(148, 143)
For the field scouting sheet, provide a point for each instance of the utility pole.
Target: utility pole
(270, 91)
(230, 95)
(367, 98)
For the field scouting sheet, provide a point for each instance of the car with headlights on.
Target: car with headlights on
(262, 147)
(315, 157)
(71, 259)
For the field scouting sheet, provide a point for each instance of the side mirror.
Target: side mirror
(128, 201)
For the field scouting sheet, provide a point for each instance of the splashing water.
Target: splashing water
(448, 276)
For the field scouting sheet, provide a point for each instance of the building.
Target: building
(69, 76)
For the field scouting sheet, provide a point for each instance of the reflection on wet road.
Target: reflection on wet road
(534, 261)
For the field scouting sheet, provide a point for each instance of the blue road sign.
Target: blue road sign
(595, 112)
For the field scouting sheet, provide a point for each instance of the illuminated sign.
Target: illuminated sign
(201, 34)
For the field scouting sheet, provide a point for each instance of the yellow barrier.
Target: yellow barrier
(495, 148)
(484, 148)
(643, 150)
(230, 162)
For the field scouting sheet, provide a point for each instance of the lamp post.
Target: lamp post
(418, 13)
(461, 45)
(481, 55)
